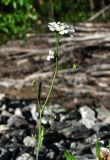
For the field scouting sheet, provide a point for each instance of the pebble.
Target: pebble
(29, 141)
(103, 113)
(18, 112)
(3, 128)
(16, 121)
(88, 116)
(25, 156)
(2, 96)
(76, 130)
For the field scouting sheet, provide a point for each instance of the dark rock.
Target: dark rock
(73, 129)
(5, 154)
(70, 115)
(86, 157)
(52, 152)
(18, 122)
(53, 137)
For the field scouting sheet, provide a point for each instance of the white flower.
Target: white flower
(51, 55)
(61, 28)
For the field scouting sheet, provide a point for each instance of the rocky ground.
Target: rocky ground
(75, 129)
(80, 99)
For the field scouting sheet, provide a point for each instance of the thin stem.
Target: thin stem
(47, 98)
(55, 73)
(39, 127)
(51, 87)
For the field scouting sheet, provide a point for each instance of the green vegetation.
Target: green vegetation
(68, 155)
(98, 151)
(16, 16)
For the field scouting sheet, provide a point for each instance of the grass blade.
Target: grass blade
(68, 155)
(98, 151)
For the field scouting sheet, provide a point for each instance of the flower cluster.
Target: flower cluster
(61, 28)
(51, 55)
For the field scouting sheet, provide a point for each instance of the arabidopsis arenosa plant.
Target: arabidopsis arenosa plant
(51, 55)
(60, 28)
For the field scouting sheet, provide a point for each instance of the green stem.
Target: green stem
(47, 98)
(39, 133)
(55, 73)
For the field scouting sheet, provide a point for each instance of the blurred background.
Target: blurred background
(81, 96)
(18, 17)
(26, 40)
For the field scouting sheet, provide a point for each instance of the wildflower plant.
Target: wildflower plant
(59, 29)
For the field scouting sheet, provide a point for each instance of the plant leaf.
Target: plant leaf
(98, 150)
(68, 155)
(41, 137)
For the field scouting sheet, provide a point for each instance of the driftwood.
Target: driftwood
(103, 10)
(89, 48)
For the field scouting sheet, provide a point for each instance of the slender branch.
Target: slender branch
(99, 13)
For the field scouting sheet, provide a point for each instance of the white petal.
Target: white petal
(66, 31)
(62, 27)
(51, 52)
(62, 32)
(52, 28)
(48, 58)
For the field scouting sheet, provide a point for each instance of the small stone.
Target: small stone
(2, 96)
(107, 121)
(51, 154)
(16, 121)
(48, 111)
(88, 123)
(58, 109)
(29, 141)
(3, 129)
(87, 112)
(73, 146)
(45, 120)
(5, 113)
(4, 154)
(18, 112)
(73, 129)
(103, 113)
(88, 116)
(34, 112)
(3, 107)
(25, 156)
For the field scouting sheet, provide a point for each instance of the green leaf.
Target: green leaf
(68, 155)
(41, 137)
(98, 150)
(14, 5)
(21, 2)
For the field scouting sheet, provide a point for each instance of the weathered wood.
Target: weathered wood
(89, 48)
(103, 10)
